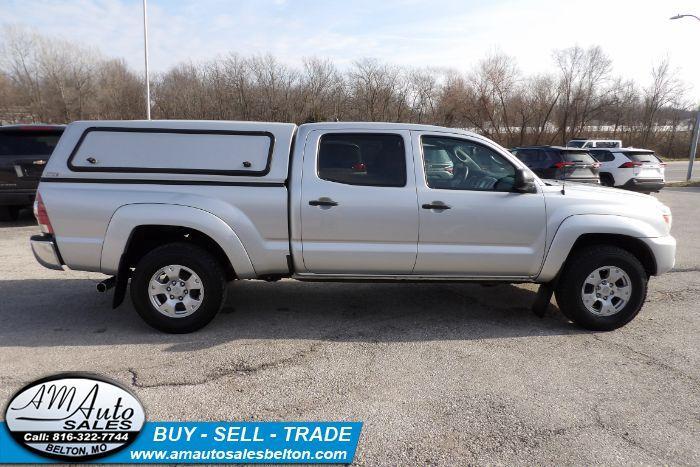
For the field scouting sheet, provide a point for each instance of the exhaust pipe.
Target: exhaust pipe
(106, 284)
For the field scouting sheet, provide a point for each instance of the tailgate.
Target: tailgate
(650, 170)
(584, 171)
(20, 173)
(23, 155)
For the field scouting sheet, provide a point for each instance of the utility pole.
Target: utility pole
(696, 128)
(145, 56)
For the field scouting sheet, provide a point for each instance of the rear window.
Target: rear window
(28, 143)
(641, 156)
(571, 156)
(576, 144)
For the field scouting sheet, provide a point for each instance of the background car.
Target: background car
(24, 151)
(560, 163)
(630, 168)
(438, 163)
(594, 143)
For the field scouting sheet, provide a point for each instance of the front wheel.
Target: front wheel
(178, 288)
(602, 288)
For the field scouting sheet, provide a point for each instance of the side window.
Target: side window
(457, 164)
(362, 159)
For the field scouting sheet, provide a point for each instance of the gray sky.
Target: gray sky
(452, 34)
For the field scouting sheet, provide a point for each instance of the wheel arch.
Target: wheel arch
(136, 229)
(579, 231)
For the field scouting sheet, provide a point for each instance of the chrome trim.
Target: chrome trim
(45, 252)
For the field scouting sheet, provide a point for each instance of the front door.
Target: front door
(471, 222)
(359, 213)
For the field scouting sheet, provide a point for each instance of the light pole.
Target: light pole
(696, 128)
(145, 56)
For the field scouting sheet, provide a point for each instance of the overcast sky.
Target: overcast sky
(451, 33)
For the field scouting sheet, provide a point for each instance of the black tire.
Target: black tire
(577, 270)
(9, 213)
(202, 263)
(606, 179)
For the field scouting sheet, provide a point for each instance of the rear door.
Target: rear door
(359, 213)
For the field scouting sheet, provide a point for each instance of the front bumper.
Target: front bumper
(664, 251)
(644, 184)
(46, 252)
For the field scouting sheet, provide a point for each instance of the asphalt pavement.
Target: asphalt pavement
(677, 171)
(440, 374)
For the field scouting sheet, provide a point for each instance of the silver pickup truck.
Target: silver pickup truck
(179, 208)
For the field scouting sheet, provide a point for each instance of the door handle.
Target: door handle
(323, 202)
(438, 206)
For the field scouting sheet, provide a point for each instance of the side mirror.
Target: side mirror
(524, 181)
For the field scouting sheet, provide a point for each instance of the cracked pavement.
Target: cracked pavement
(440, 374)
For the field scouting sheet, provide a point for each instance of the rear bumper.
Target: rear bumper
(46, 252)
(17, 197)
(664, 251)
(644, 184)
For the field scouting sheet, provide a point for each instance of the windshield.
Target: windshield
(574, 156)
(28, 143)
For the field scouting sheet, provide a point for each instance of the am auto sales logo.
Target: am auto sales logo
(74, 416)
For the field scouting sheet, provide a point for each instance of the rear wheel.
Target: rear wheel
(607, 179)
(602, 288)
(9, 213)
(178, 288)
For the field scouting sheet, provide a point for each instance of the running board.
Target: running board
(407, 278)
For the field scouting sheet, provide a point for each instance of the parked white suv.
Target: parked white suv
(629, 168)
(179, 208)
(594, 143)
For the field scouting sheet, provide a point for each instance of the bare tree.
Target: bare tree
(664, 89)
(52, 80)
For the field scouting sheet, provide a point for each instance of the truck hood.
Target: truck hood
(581, 199)
(581, 189)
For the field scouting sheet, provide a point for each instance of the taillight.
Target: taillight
(359, 167)
(629, 165)
(560, 165)
(42, 217)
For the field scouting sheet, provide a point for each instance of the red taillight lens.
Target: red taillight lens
(359, 166)
(42, 217)
(629, 165)
(560, 165)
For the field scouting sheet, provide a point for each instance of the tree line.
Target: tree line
(45, 79)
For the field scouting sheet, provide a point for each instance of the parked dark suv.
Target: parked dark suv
(24, 150)
(560, 163)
